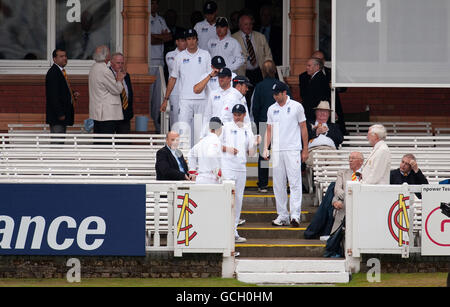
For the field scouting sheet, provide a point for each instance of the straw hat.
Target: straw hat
(323, 105)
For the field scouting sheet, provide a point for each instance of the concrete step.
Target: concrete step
(280, 248)
(265, 215)
(291, 271)
(253, 198)
(267, 231)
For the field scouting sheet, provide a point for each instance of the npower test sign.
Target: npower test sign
(67, 219)
(435, 224)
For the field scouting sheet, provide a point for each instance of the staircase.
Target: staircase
(281, 255)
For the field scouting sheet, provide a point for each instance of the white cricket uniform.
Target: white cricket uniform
(286, 154)
(175, 95)
(213, 83)
(233, 98)
(234, 166)
(188, 69)
(157, 25)
(228, 48)
(206, 158)
(205, 31)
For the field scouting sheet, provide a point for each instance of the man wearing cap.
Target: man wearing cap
(180, 41)
(206, 29)
(322, 134)
(287, 134)
(189, 66)
(210, 81)
(238, 141)
(226, 46)
(240, 87)
(205, 158)
(160, 34)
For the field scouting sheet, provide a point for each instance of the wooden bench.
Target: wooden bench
(393, 128)
(42, 128)
(400, 141)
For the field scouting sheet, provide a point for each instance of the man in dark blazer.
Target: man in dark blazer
(314, 87)
(408, 172)
(170, 163)
(59, 95)
(118, 64)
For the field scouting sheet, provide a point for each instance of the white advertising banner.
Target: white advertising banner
(435, 224)
(204, 219)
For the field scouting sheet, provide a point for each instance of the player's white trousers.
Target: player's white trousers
(287, 167)
(191, 112)
(239, 178)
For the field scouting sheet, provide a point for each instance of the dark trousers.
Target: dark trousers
(106, 126)
(124, 127)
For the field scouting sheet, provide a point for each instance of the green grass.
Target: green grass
(358, 280)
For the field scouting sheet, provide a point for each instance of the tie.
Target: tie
(124, 98)
(251, 51)
(354, 178)
(68, 85)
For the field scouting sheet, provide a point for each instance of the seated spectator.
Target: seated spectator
(377, 167)
(355, 161)
(331, 211)
(408, 172)
(170, 163)
(322, 134)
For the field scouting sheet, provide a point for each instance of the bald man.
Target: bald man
(170, 163)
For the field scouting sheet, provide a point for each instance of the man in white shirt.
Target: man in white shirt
(286, 130)
(188, 68)
(206, 29)
(180, 41)
(238, 141)
(160, 34)
(209, 82)
(377, 168)
(237, 94)
(105, 105)
(205, 158)
(226, 46)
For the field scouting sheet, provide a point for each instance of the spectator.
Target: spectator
(105, 88)
(408, 172)
(355, 160)
(272, 32)
(226, 46)
(262, 99)
(117, 65)
(377, 167)
(255, 48)
(238, 141)
(174, 98)
(160, 34)
(190, 65)
(60, 97)
(170, 163)
(290, 149)
(206, 29)
(322, 134)
(304, 80)
(314, 87)
(205, 158)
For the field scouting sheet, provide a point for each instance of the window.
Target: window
(31, 30)
(323, 35)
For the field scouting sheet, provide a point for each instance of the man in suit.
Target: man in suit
(117, 65)
(377, 168)
(355, 161)
(170, 163)
(322, 134)
(272, 32)
(105, 88)
(314, 87)
(59, 95)
(304, 79)
(255, 49)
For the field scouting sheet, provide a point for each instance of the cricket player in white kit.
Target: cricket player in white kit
(206, 29)
(238, 141)
(189, 66)
(180, 41)
(205, 158)
(286, 130)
